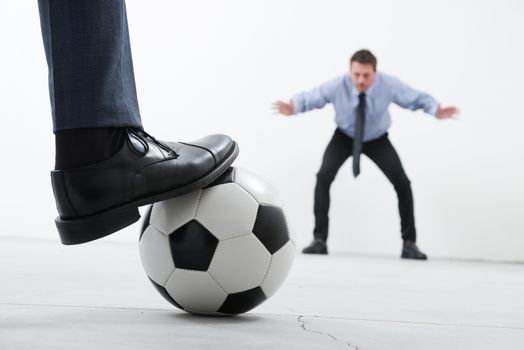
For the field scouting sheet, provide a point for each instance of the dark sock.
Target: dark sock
(81, 147)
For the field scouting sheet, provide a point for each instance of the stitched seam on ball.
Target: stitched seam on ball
(197, 203)
(267, 271)
(191, 270)
(214, 255)
(270, 205)
(234, 237)
(245, 189)
(171, 275)
(213, 278)
(211, 264)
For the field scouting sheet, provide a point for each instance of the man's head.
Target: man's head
(362, 70)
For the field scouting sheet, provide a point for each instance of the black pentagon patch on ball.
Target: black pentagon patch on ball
(192, 246)
(271, 228)
(227, 177)
(238, 303)
(145, 222)
(165, 294)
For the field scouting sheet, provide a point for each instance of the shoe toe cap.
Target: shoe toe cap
(221, 146)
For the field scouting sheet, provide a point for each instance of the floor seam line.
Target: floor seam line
(278, 315)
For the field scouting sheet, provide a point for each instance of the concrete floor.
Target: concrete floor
(97, 296)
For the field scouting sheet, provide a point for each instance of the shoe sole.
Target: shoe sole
(90, 228)
(321, 252)
(408, 256)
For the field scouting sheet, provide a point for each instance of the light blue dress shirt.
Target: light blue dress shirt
(384, 90)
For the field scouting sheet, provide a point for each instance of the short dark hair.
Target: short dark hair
(364, 57)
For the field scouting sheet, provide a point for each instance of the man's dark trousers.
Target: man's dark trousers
(91, 80)
(382, 153)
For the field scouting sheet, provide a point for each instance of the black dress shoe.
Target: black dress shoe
(318, 246)
(97, 200)
(411, 251)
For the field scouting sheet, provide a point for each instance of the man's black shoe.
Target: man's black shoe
(411, 251)
(97, 200)
(318, 246)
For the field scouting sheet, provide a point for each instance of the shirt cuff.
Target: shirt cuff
(433, 108)
(298, 104)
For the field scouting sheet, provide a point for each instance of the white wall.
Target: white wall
(215, 66)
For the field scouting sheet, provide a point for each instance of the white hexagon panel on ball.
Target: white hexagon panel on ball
(260, 189)
(195, 291)
(281, 263)
(155, 254)
(227, 211)
(170, 214)
(240, 263)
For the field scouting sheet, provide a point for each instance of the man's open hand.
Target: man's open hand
(285, 108)
(447, 112)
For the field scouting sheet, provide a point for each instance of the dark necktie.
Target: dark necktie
(359, 133)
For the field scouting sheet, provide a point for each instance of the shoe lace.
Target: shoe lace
(141, 136)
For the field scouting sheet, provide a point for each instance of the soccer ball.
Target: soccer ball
(221, 250)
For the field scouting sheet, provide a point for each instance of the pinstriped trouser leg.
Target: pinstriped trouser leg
(91, 79)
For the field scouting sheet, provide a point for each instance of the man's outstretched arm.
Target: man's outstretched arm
(407, 97)
(306, 101)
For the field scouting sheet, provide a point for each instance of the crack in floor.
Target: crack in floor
(303, 326)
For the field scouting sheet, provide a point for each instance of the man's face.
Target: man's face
(362, 75)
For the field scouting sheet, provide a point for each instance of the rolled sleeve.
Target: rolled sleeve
(317, 97)
(409, 98)
(432, 108)
(298, 104)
